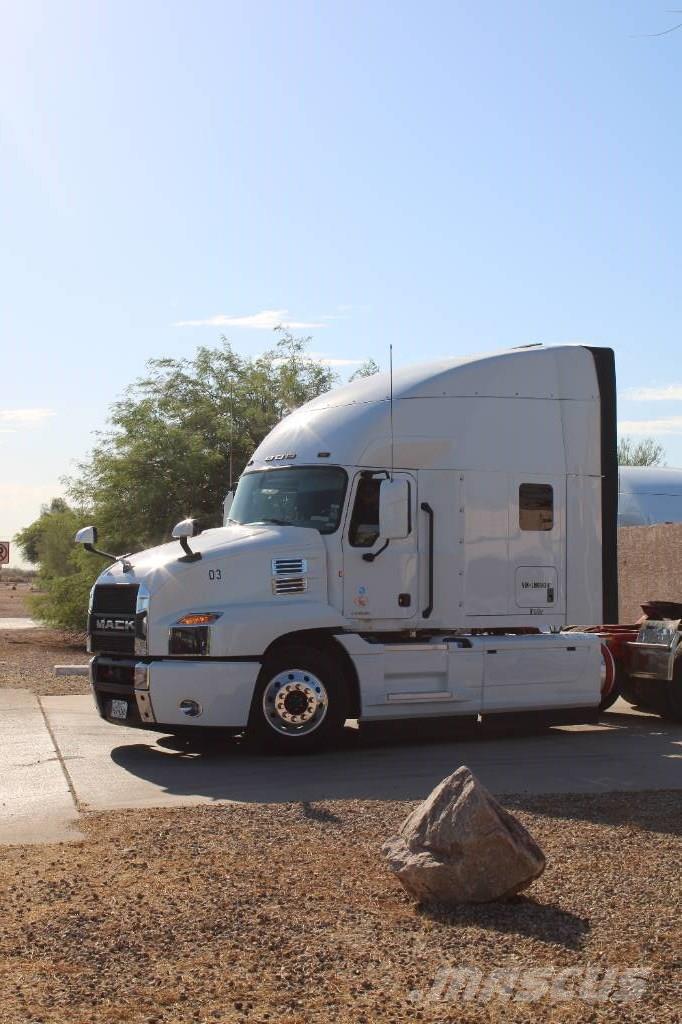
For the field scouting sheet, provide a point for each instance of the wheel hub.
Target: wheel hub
(295, 702)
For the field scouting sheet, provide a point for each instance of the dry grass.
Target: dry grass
(287, 914)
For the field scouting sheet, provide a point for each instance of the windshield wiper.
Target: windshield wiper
(277, 522)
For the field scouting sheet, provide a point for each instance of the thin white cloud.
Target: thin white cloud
(24, 417)
(669, 393)
(266, 320)
(320, 357)
(645, 428)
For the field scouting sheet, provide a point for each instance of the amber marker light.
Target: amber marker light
(199, 618)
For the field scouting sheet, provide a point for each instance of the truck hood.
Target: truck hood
(238, 575)
(156, 566)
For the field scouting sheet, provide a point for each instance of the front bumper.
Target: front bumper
(161, 693)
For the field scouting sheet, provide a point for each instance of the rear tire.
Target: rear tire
(628, 689)
(649, 695)
(675, 701)
(673, 696)
(300, 702)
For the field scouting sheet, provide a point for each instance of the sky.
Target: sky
(444, 177)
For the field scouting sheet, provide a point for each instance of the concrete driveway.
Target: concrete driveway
(57, 758)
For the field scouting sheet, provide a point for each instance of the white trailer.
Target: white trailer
(648, 495)
(395, 549)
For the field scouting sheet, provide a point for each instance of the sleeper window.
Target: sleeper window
(536, 507)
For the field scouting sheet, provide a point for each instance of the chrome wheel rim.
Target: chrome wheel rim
(295, 702)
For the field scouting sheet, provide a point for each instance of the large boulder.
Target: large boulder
(461, 846)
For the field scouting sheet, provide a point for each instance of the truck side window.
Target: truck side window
(536, 507)
(364, 523)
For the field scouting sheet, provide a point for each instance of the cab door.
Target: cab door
(380, 580)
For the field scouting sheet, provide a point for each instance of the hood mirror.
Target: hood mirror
(181, 531)
(88, 538)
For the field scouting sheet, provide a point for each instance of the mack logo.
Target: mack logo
(115, 625)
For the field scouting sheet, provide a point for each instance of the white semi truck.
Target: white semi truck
(396, 548)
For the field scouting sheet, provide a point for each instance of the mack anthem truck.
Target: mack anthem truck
(403, 547)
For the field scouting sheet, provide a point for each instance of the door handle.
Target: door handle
(425, 507)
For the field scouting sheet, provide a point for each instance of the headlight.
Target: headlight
(189, 640)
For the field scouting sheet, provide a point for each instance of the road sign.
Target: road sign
(4, 552)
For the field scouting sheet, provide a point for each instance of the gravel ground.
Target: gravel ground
(28, 657)
(286, 914)
(13, 596)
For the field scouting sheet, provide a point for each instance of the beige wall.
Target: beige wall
(649, 566)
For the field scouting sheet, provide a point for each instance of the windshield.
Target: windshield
(306, 496)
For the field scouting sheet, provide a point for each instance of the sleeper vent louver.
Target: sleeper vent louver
(289, 566)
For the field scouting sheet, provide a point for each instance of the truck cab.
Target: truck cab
(397, 548)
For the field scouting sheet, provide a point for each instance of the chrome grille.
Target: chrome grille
(112, 621)
(115, 597)
(108, 644)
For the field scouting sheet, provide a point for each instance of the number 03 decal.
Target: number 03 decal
(215, 574)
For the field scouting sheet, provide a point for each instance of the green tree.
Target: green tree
(66, 572)
(63, 602)
(178, 431)
(368, 369)
(48, 541)
(173, 437)
(646, 452)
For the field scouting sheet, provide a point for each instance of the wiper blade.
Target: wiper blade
(277, 522)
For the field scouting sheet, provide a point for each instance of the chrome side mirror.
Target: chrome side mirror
(87, 536)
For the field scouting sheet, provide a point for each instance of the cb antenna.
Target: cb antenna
(231, 429)
(390, 377)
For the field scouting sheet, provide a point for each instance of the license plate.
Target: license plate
(119, 709)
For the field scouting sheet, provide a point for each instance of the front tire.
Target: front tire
(300, 702)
